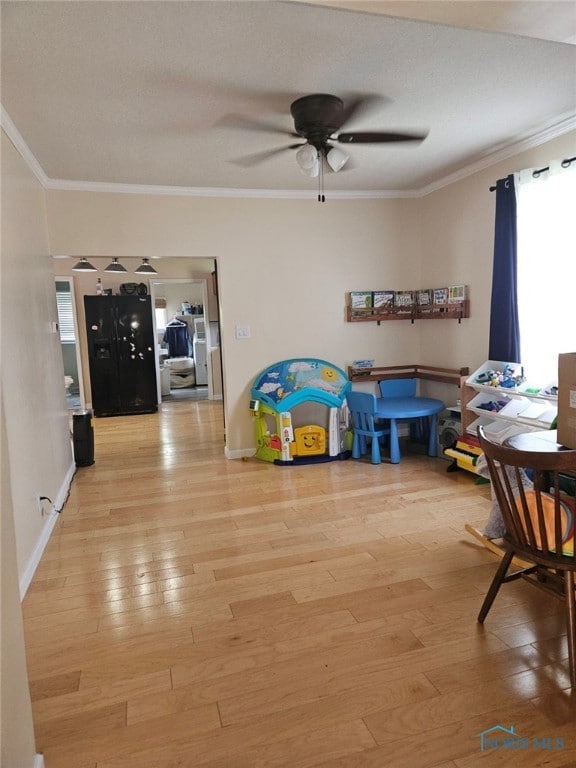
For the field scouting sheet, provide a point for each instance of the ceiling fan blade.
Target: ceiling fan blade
(361, 107)
(248, 161)
(248, 124)
(378, 137)
(350, 110)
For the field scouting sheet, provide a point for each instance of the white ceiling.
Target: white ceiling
(144, 92)
(545, 20)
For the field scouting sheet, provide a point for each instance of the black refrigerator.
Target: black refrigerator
(121, 351)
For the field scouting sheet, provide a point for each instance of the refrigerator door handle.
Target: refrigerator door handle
(116, 325)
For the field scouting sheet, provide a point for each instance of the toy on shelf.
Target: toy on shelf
(300, 412)
(507, 402)
(508, 378)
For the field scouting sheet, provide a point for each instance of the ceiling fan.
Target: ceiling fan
(319, 119)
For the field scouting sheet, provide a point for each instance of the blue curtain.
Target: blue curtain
(504, 343)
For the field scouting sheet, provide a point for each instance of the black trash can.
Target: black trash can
(83, 438)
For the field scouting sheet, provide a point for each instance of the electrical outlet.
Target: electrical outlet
(41, 502)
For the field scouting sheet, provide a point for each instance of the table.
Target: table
(544, 441)
(397, 409)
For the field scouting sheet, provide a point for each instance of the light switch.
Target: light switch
(242, 331)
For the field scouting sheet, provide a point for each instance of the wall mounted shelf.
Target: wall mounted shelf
(457, 311)
(426, 372)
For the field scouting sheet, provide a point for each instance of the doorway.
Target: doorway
(183, 307)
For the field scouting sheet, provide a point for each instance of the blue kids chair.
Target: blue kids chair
(398, 387)
(362, 407)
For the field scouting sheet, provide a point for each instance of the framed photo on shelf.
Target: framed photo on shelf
(404, 299)
(424, 297)
(440, 295)
(383, 299)
(361, 299)
(456, 294)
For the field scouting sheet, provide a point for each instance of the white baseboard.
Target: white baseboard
(44, 537)
(38, 761)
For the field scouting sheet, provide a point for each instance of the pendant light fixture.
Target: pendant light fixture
(84, 266)
(115, 266)
(145, 268)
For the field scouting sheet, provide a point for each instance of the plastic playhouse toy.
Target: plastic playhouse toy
(300, 412)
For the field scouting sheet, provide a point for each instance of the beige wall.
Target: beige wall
(35, 447)
(284, 267)
(177, 293)
(16, 722)
(32, 367)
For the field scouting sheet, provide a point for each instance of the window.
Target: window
(161, 318)
(65, 313)
(546, 270)
(160, 312)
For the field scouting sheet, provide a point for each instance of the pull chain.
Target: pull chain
(321, 198)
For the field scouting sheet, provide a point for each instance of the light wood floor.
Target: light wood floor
(195, 611)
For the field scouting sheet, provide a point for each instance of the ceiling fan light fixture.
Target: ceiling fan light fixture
(84, 266)
(319, 122)
(115, 266)
(313, 171)
(307, 157)
(145, 268)
(336, 159)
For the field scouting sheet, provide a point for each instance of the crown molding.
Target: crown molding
(66, 185)
(560, 126)
(20, 145)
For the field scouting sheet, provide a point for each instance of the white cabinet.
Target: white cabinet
(505, 410)
(201, 362)
(200, 351)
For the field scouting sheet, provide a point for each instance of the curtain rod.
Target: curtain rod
(564, 164)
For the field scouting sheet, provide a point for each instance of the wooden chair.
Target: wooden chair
(539, 526)
(362, 407)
